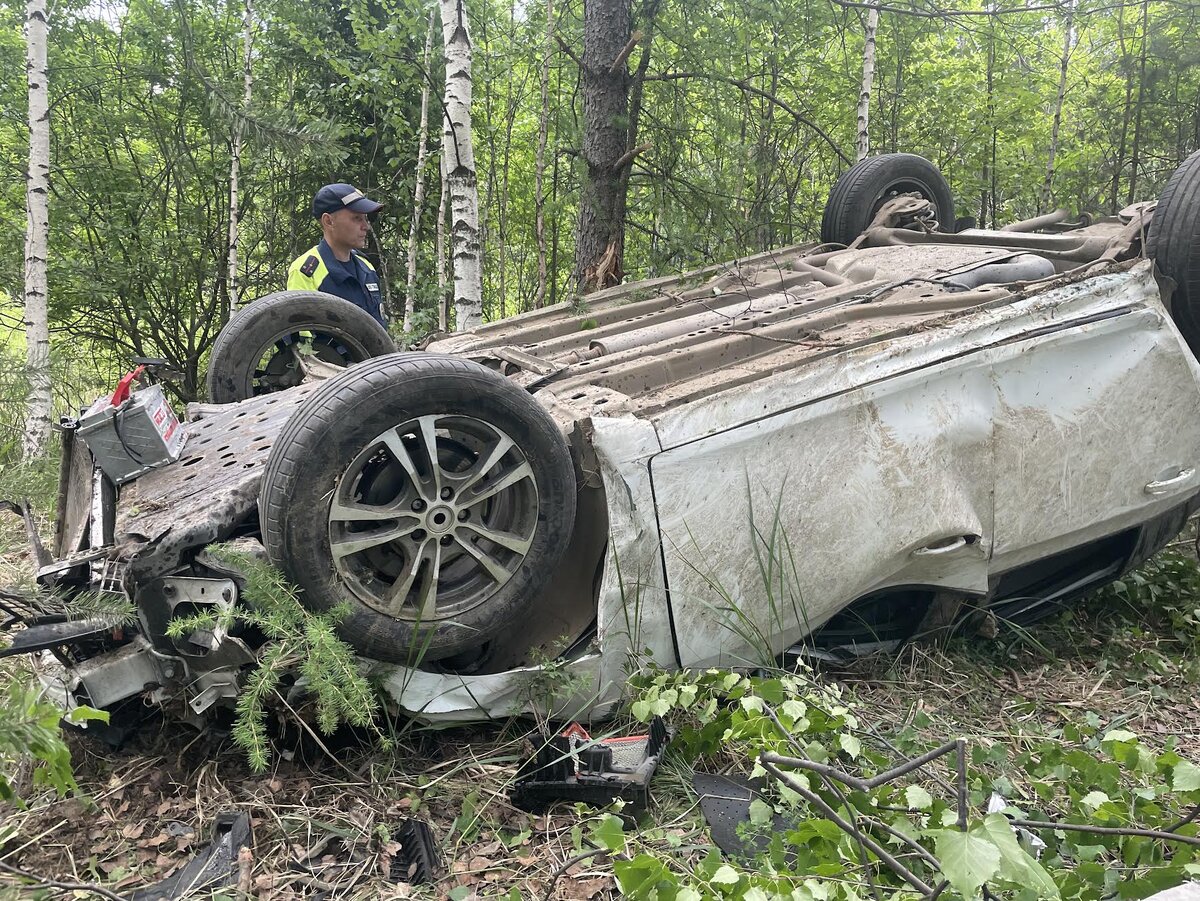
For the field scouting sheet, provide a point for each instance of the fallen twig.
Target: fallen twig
(1110, 830)
(817, 801)
(566, 865)
(43, 882)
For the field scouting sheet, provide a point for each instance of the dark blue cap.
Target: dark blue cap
(332, 198)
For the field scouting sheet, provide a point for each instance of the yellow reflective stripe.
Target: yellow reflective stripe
(298, 281)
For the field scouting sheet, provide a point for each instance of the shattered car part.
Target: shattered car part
(419, 859)
(725, 803)
(572, 766)
(995, 421)
(213, 869)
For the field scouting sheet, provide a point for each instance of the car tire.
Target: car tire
(1173, 242)
(340, 333)
(862, 189)
(353, 512)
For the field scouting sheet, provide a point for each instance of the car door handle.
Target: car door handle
(1166, 485)
(942, 547)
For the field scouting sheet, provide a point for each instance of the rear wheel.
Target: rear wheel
(863, 188)
(262, 348)
(428, 493)
(1173, 242)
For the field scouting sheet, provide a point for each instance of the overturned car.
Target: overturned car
(818, 449)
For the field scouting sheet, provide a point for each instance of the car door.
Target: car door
(768, 528)
(1097, 431)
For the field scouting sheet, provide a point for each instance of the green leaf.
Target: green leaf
(609, 834)
(87, 714)
(968, 859)
(850, 745)
(1185, 777)
(760, 812)
(918, 798)
(460, 892)
(725, 875)
(1094, 799)
(1016, 865)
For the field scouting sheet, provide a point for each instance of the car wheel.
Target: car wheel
(260, 348)
(428, 493)
(1173, 242)
(864, 187)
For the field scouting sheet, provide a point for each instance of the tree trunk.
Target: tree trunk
(1068, 39)
(1119, 162)
(460, 168)
(37, 206)
(414, 228)
(443, 314)
(1135, 155)
(868, 76)
(600, 235)
(539, 169)
(235, 156)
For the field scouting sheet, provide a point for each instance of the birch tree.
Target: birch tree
(868, 76)
(440, 251)
(460, 167)
(37, 208)
(410, 299)
(235, 154)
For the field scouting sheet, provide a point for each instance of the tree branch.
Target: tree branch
(628, 157)
(624, 54)
(568, 51)
(766, 95)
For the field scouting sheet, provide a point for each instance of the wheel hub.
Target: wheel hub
(433, 517)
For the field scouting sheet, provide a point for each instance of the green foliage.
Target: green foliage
(1088, 776)
(29, 730)
(300, 642)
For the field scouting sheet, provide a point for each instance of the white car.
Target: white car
(825, 448)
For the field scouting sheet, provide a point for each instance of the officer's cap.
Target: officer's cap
(332, 198)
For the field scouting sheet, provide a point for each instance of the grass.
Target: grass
(1123, 659)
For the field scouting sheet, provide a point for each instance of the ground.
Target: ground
(324, 819)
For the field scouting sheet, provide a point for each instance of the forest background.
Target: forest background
(743, 112)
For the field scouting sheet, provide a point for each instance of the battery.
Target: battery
(133, 437)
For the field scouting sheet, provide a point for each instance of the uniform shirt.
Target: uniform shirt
(354, 280)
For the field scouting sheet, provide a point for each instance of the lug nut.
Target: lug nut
(447, 493)
(418, 505)
(464, 515)
(446, 539)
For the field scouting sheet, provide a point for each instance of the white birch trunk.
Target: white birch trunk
(37, 207)
(868, 77)
(443, 315)
(539, 199)
(235, 156)
(410, 300)
(460, 168)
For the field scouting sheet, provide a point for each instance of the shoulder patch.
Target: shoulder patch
(310, 265)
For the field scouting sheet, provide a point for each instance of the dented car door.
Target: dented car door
(770, 528)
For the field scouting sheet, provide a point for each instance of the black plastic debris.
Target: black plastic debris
(725, 803)
(572, 766)
(418, 860)
(214, 868)
(53, 635)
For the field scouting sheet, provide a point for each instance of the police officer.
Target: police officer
(335, 264)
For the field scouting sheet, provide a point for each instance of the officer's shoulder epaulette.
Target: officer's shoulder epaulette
(311, 264)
